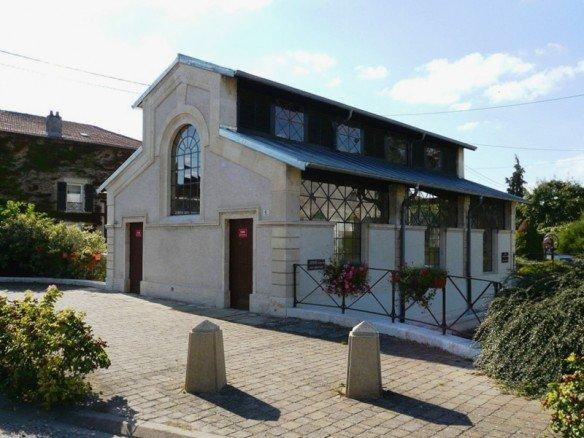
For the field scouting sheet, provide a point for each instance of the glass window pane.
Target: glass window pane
(432, 247)
(289, 121)
(185, 192)
(396, 149)
(349, 139)
(433, 158)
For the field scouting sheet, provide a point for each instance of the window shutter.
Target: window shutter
(61, 196)
(89, 193)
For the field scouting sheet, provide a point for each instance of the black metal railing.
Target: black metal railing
(397, 308)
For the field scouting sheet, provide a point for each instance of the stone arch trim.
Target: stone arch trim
(185, 115)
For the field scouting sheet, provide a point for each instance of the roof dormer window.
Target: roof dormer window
(433, 158)
(349, 139)
(288, 121)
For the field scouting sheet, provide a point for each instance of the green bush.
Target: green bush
(45, 354)
(529, 243)
(566, 399)
(571, 237)
(34, 244)
(531, 327)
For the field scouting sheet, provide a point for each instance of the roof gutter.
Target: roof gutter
(260, 147)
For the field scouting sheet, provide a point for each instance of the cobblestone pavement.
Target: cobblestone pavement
(283, 377)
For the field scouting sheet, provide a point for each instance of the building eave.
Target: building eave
(185, 60)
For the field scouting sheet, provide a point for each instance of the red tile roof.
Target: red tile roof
(30, 124)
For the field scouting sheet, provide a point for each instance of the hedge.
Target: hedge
(35, 245)
(533, 326)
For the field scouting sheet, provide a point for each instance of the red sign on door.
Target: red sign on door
(138, 233)
(242, 233)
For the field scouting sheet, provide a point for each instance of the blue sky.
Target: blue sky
(389, 57)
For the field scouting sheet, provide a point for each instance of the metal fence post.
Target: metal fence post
(402, 307)
(294, 283)
(444, 310)
(392, 301)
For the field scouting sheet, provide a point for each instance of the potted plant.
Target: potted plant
(415, 282)
(346, 278)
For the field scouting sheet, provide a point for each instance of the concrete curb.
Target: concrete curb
(115, 425)
(452, 344)
(57, 281)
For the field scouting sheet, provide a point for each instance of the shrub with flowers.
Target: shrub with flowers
(566, 399)
(34, 244)
(344, 278)
(415, 282)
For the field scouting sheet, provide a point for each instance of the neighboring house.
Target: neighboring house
(239, 178)
(57, 164)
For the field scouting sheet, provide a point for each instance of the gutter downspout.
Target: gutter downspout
(402, 245)
(467, 264)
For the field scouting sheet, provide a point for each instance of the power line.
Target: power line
(526, 148)
(538, 163)
(30, 58)
(485, 176)
(509, 105)
(69, 79)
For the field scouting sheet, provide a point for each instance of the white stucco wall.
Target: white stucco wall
(186, 257)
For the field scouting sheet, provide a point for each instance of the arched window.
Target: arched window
(185, 197)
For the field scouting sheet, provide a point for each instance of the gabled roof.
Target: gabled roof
(308, 156)
(204, 65)
(29, 124)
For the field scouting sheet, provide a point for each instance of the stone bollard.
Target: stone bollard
(206, 359)
(364, 368)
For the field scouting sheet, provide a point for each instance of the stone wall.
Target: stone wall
(30, 168)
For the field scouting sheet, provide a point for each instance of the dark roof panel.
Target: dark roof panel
(29, 124)
(317, 98)
(303, 155)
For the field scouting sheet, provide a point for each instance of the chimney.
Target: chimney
(54, 125)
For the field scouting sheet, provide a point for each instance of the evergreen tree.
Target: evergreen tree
(516, 183)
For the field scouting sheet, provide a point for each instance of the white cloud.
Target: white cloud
(533, 86)
(334, 82)
(468, 126)
(446, 82)
(371, 73)
(550, 48)
(298, 62)
(571, 168)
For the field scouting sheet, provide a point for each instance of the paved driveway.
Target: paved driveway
(283, 377)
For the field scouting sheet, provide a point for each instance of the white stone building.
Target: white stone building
(239, 178)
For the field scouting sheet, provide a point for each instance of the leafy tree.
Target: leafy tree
(571, 237)
(529, 243)
(517, 183)
(553, 203)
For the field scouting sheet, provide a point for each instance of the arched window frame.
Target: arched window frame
(185, 172)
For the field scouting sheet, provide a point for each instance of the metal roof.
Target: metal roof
(251, 77)
(304, 156)
(198, 63)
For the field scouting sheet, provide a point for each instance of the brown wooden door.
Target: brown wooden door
(240, 262)
(136, 248)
